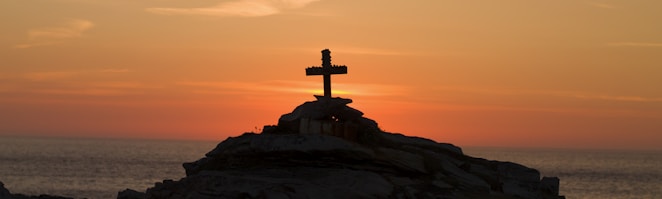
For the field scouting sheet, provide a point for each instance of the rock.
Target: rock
(131, 194)
(404, 160)
(549, 185)
(305, 165)
(277, 183)
(325, 149)
(420, 143)
(5, 194)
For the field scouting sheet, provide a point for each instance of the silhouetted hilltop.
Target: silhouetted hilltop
(325, 149)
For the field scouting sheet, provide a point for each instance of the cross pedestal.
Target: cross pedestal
(326, 70)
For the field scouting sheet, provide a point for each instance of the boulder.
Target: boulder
(130, 194)
(549, 185)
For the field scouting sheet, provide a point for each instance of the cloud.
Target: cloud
(90, 83)
(348, 49)
(92, 88)
(72, 28)
(309, 87)
(242, 8)
(552, 93)
(122, 85)
(113, 70)
(82, 91)
(379, 51)
(252, 87)
(530, 100)
(36, 44)
(62, 75)
(619, 98)
(634, 44)
(371, 51)
(601, 5)
(49, 76)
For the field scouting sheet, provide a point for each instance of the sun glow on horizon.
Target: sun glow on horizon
(559, 73)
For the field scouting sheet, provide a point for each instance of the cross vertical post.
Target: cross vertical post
(326, 70)
(326, 67)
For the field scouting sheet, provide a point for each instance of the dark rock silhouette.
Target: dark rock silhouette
(5, 194)
(130, 194)
(292, 161)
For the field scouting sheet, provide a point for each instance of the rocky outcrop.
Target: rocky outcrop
(380, 165)
(5, 194)
(325, 149)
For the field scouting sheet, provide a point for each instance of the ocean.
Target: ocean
(589, 174)
(99, 168)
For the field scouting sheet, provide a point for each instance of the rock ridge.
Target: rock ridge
(5, 194)
(323, 166)
(325, 149)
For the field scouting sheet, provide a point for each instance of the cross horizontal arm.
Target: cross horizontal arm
(317, 70)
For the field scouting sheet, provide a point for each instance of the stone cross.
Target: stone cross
(326, 70)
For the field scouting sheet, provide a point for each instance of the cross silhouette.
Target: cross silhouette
(326, 70)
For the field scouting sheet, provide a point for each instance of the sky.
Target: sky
(511, 73)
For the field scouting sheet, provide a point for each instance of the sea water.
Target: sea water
(99, 168)
(590, 174)
(92, 168)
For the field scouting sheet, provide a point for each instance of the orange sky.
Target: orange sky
(568, 73)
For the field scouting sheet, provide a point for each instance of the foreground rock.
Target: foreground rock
(320, 166)
(324, 149)
(5, 194)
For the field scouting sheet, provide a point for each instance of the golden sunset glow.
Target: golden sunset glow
(483, 73)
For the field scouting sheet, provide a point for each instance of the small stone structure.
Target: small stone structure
(338, 129)
(326, 116)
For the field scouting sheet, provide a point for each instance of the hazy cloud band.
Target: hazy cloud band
(241, 8)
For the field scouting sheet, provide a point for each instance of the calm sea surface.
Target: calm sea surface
(99, 168)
